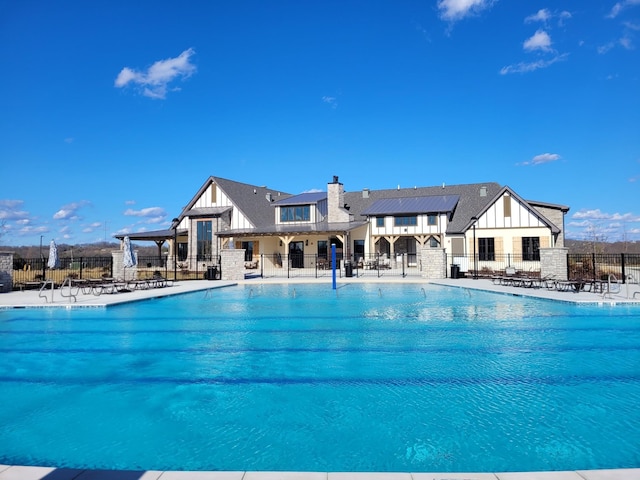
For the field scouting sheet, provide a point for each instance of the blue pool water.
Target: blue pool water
(301, 377)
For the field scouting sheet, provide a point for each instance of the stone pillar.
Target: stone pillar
(434, 263)
(6, 271)
(553, 263)
(232, 264)
(121, 273)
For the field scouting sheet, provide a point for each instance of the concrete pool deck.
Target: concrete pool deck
(31, 299)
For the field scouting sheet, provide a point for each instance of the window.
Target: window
(248, 251)
(432, 219)
(204, 240)
(486, 249)
(299, 213)
(433, 242)
(407, 220)
(182, 251)
(379, 221)
(358, 249)
(530, 248)
(322, 249)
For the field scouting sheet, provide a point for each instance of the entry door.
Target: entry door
(296, 254)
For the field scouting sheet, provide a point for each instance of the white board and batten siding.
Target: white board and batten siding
(498, 216)
(213, 196)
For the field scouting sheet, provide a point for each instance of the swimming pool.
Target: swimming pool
(368, 377)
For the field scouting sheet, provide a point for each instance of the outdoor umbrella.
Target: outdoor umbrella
(129, 258)
(54, 261)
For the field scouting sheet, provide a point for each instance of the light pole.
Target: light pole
(175, 248)
(41, 257)
(475, 256)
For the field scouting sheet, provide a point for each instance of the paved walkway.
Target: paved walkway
(31, 299)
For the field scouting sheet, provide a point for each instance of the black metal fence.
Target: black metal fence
(488, 265)
(32, 271)
(317, 266)
(29, 273)
(624, 267)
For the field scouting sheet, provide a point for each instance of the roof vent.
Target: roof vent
(365, 193)
(269, 197)
(483, 191)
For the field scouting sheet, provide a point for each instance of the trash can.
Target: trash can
(455, 270)
(212, 273)
(348, 268)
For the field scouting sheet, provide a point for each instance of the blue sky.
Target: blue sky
(114, 113)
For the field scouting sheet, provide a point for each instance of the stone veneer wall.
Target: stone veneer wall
(232, 264)
(6, 271)
(553, 263)
(434, 263)
(119, 271)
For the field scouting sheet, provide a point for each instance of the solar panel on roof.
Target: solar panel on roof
(309, 197)
(430, 204)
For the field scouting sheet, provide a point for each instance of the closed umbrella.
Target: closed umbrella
(129, 259)
(54, 261)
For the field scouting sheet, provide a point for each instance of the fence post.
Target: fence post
(623, 269)
(593, 262)
(402, 260)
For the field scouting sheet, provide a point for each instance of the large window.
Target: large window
(406, 220)
(299, 213)
(204, 240)
(379, 221)
(432, 219)
(486, 249)
(530, 248)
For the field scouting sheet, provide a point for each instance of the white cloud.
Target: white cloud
(544, 15)
(526, 67)
(545, 158)
(332, 101)
(539, 41)
(618, 7)
(453, 10)
(145, 212)
(12, 210)
(68, 212)
(155, 81)
(625, 42)
(597, 214)
(541, 16)
(542, 158)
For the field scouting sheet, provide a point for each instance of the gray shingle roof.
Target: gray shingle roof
(473, 198)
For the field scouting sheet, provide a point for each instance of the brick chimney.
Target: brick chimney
(335, 202)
